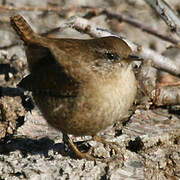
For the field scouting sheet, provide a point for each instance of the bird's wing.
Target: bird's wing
(48, 77)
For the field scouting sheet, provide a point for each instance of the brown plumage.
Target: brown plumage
(80, 86)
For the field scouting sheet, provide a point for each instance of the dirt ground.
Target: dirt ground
(149, 140)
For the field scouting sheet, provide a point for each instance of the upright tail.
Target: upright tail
(23, 29)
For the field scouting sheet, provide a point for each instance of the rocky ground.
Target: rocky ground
(149, 140)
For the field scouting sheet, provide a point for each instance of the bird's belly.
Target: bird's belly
(78, 117)
(88, 113)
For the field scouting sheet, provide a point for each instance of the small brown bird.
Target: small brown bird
(80, 86)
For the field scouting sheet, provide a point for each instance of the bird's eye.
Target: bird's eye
(111, 56)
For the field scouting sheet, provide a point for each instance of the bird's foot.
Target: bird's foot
(88, 156)
(112, 145)
(77, 152)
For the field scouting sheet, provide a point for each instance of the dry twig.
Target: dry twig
(129, 20)
(167, 14)
(141, 26)
(95, 12)
(166, 95)
(36, 8)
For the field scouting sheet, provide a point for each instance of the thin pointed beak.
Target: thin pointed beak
(134, 58)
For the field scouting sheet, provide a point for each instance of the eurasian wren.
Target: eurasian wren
(80, 86)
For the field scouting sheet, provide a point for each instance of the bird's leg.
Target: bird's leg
(112, 145)
(87, 155)
(78, 153)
